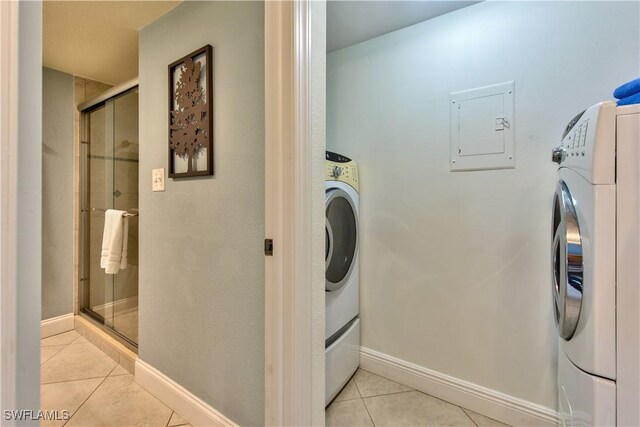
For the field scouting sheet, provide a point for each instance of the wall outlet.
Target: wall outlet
(157, 179)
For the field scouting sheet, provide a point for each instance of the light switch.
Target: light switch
(157, 179)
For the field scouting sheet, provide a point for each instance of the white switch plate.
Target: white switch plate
(157, 179)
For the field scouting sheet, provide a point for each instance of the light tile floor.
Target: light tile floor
(77, 377)
(126, 323)
(371, 400)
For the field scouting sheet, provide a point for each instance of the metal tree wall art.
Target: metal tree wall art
(191, 115)
(188, 121)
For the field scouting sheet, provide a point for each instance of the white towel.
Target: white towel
(114, 241)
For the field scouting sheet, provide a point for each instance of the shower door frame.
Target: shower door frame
(83, 266)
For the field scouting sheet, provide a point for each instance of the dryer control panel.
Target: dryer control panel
(341, 168)
(588, 144)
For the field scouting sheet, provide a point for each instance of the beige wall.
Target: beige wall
(455, 267)
(62, 93)
(57, 193)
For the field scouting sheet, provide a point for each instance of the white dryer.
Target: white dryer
(596, 267)
(342, 273)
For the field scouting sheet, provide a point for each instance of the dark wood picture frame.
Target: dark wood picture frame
(204, 130)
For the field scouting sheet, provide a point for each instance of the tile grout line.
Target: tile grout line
(351, 378)
(441, 400)
(368, 413)
(90, 394)
(53, 345)
(76, 338)
(345, 400)
(59, 351)
(385, 378)
(61, 333)
(398, 392)
(465, 412)
(82, 379)
(52, 356)
(170, 416)
(362, 400)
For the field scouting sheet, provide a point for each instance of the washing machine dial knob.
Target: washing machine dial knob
(558, 154)
(336, 172)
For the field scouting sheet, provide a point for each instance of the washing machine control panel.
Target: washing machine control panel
(575, 141)
(341, 168)
(588, 144)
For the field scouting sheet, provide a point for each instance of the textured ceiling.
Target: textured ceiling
(351, 22)
(97, 39)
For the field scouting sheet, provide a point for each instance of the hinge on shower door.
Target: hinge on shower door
(268, 247)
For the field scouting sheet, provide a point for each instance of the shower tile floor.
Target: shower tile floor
(127, 324)
(371, 400)
(78, 377)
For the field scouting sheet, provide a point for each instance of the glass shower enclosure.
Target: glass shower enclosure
(109, 180)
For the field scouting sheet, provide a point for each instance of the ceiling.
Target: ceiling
(97, 39)
(351, 22)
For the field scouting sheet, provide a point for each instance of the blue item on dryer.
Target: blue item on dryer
(627, 89)
(633, 99)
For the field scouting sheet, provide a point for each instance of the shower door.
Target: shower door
(109, 159)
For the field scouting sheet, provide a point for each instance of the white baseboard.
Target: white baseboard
(56, 325)
(499, 406)
(185, 403)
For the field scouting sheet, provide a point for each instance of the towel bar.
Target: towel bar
(127, 214)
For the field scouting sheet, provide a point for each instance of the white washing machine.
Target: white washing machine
(596, 267)
(342, 273)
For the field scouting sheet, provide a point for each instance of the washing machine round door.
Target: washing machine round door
(341, 234)
(567, 265)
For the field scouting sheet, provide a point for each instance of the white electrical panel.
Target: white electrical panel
(483, 128)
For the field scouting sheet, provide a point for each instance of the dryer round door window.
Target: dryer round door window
(566, 261)
(341, 233)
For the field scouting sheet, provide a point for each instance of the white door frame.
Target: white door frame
(294, 378)
(8, 190)
(20, 204)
